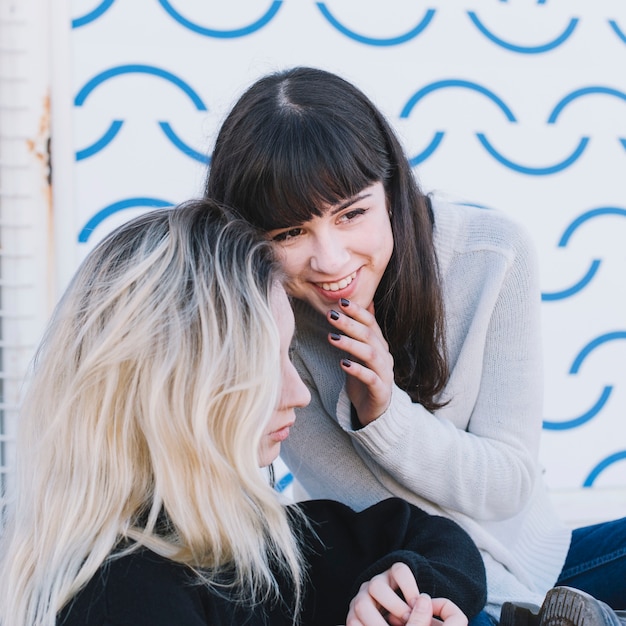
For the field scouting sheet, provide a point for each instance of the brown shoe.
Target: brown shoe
(563, 606)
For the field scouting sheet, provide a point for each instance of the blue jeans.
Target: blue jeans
(595, 563)
(482, 619)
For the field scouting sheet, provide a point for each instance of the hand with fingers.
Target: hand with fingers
(378, 603)
(429, 611)
(370, 374)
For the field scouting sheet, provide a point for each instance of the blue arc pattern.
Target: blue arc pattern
(585, 417)
(592, 345)
(448, 84)
(222, 34)
(120, 70)
(574, 369)
(595, 264)
(373, 41)
(107, 211)
(585, 217)
(551, 45)
(617, 30)
(579, 93)
(576, 287)
(101, 143)
(600, 467)
(102, 8)
(534, 171)
(454, 83)
(430, 148)
(183, 147)
(322, 30)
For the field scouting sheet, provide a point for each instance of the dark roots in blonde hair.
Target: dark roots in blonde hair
(142, 422)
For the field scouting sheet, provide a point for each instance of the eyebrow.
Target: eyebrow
(348, 202)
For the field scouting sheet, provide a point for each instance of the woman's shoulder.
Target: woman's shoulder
(140, 588)
(466, 228)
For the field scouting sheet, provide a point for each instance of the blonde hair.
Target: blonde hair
(148, 400)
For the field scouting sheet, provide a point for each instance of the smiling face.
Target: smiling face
(294, 392)
(341, 254)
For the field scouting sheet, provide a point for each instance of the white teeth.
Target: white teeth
(342, 284)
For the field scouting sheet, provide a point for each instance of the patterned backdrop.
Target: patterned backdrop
(517, 105)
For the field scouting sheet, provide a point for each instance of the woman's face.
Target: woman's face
(341, 254)
(294, 392)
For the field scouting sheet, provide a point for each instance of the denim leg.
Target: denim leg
(596, 562)
(482, 619)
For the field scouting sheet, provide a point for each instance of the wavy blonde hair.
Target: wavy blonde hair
(148, 399)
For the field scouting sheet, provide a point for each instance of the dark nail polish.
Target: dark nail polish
(344, 302)
(346, 363)
(334, 315)
(335, 336)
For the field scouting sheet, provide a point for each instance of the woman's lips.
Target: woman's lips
(281, 434)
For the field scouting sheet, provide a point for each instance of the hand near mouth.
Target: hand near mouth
(370, 374)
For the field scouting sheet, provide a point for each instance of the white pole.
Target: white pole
(26, 224)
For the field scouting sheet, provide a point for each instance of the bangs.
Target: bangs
(308, 165)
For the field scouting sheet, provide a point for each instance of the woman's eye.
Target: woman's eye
(353, 213)
(287, 234)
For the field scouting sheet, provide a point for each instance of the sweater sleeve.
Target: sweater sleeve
(487, 436)
(346, 548)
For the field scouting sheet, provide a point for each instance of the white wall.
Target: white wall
(527, 98)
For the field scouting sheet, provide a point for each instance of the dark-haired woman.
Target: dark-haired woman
(418, 333)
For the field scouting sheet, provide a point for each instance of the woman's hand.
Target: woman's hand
(377, 603)
(370, 375)
(435, 611)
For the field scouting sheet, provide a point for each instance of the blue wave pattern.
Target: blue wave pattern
(595, 263)
(574, 369)
(102, 143)
(617, 30)
(489, 147)
(121, 205)
(418, 29)
(602, 465)
(116, 125)
(244, 31)
(403, 54)
(93, 15)
(523, 49)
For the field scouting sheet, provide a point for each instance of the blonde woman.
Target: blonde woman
(162, 385)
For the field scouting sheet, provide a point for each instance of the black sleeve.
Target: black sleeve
(346, 548)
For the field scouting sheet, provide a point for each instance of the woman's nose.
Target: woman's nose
(299, 394)
(329, 254)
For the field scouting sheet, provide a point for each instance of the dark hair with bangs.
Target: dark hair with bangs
(304, 138)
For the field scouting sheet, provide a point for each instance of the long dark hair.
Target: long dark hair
(303, 138)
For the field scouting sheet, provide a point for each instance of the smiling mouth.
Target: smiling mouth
(341, 284)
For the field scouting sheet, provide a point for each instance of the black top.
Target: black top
(343, 549)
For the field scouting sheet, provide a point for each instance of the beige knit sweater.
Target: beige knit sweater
(476, 459)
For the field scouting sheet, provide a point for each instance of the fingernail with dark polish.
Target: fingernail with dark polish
(334, 315)
(344, 302)
(346, 363)
(335, 336)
